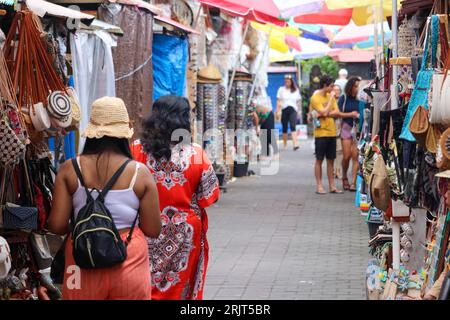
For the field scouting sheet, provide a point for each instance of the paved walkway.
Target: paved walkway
(272, 237)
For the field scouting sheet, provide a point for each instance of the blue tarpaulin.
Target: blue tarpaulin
(170, 57)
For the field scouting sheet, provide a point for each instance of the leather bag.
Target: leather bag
(380, 191)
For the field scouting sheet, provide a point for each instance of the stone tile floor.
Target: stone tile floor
(273, 237)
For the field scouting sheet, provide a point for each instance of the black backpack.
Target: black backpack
(96, 241)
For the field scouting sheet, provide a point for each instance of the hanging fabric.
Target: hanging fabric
(132, 58)
(93, 70)
(170, 58)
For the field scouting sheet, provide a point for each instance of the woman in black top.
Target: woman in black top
(349, 103)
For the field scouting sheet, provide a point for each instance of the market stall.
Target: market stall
(402, 150)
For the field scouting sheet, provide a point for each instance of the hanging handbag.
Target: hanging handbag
(11, 148)
(41, 250)
(419, 125)
(380, 191)
(59, 264)
(419, 95)
(380, 103)
(20, 218)
(432, 139)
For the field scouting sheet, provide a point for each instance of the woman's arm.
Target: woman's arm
(278, 111)
(339, 114)
(150, 219)
(58, 221)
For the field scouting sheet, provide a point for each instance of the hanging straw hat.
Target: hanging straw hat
(210, 72)
(109, 117)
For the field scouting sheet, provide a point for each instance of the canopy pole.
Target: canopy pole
(394, 106)
(236, 64)
(381, 12)
(375, 34)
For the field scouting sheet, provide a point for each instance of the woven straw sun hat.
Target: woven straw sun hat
(109, 117)
(210, 72)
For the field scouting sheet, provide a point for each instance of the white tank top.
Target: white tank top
(122, 204)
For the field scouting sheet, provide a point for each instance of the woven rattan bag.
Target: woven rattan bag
(419, 125)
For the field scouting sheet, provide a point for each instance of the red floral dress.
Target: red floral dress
(187, 184)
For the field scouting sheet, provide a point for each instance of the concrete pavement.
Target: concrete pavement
(273, 237)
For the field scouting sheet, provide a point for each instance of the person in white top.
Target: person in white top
(288, 101)
(342, 81)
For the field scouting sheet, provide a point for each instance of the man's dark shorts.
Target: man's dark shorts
(326, 148)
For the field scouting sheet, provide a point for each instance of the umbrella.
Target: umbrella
(280, 39)
(326, 16)
(353, 33)
(308, 49)
(266, 11)
(340, 12)
(323, 33)
(311, 49)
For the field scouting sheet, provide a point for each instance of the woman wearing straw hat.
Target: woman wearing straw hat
(187, 184)
(133, 194)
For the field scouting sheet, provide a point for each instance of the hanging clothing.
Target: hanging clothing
(170, 58)
(93, 71)
(187, 184)
(132, 59)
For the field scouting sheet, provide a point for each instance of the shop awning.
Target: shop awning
(243, 11)
(165, 22)
(42, 8)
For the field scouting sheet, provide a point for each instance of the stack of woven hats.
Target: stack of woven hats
(210, 74)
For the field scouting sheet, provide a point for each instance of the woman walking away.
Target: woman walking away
(289, 99)
(349, 103)
(187, 184)
(132, 197)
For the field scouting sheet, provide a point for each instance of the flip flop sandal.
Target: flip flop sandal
(336, 191)
(321, 192)
(352, 188)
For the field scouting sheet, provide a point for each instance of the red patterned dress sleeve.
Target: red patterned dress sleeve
(208, 191)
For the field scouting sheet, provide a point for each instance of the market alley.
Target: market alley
(273, 237)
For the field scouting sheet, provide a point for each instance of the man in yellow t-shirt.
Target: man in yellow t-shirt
(324, 106)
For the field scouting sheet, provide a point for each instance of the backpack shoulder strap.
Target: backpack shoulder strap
(113, 179)
(76, 167)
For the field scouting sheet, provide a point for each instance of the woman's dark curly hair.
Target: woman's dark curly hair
(169, 113)
(350, 84)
